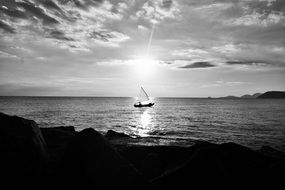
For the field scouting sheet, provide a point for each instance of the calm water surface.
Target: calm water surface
(250, 122)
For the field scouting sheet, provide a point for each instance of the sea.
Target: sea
(177, 121)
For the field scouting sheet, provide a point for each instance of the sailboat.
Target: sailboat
(143, 100)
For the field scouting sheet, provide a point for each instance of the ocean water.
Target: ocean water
(250, 122)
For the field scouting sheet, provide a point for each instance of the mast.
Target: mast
(142, 96)
(145, 92)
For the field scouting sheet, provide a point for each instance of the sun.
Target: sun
(144, 66)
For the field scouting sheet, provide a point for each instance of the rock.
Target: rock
(271, 152)
(276, 173)
(144, 159)
(67, 129)
(276, 166)
(152, 161)
(90, 161)
(218, 166)
(58, 136)
(113, 134)
(23, 151)
(87, 159)
(57, 139)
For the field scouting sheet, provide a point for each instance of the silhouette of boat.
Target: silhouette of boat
(143, 100)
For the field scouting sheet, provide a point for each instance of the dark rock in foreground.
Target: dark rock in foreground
(113, 134)
(87, 159)
(23, 151)
(91, 161)
(273, 94)
(57, 138)
(221, 166)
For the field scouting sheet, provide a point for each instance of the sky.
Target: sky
(173, 48)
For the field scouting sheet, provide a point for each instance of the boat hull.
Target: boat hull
(143, 105)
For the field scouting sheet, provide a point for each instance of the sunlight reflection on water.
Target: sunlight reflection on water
(145, 118)
(144, 125)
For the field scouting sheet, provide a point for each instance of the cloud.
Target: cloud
(267, 6)
(258, 19)
(256, 63)
(119, 8)
(196, 65)
(228, 49)
(64, 21)
(191, 53)
(222, 83)
(155, 11)
(166, 4)
(85, 5)
(6, 55)
(109, 38)
(38, 12)
(14, 13)
(59, 35)
(6, 27)
(13, 89)
(263, 13)
(49, 4)
(141, 27)
(104, 36)
(105, 12)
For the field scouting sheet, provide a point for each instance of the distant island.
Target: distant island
(273, 94)
(266, 95)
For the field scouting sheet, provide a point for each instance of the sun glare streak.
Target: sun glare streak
(150, 39)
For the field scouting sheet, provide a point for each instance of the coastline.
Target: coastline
(63, 157)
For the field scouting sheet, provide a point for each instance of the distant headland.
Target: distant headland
(266, 95)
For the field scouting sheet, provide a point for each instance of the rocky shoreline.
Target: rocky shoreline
(60, 157)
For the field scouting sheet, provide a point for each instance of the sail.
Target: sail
(143, 96)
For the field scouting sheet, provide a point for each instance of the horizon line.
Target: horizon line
(182, 97)
(100, 96)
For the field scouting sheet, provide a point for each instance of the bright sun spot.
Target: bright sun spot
(144, 66)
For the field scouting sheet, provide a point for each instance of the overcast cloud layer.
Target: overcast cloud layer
(86, 47)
